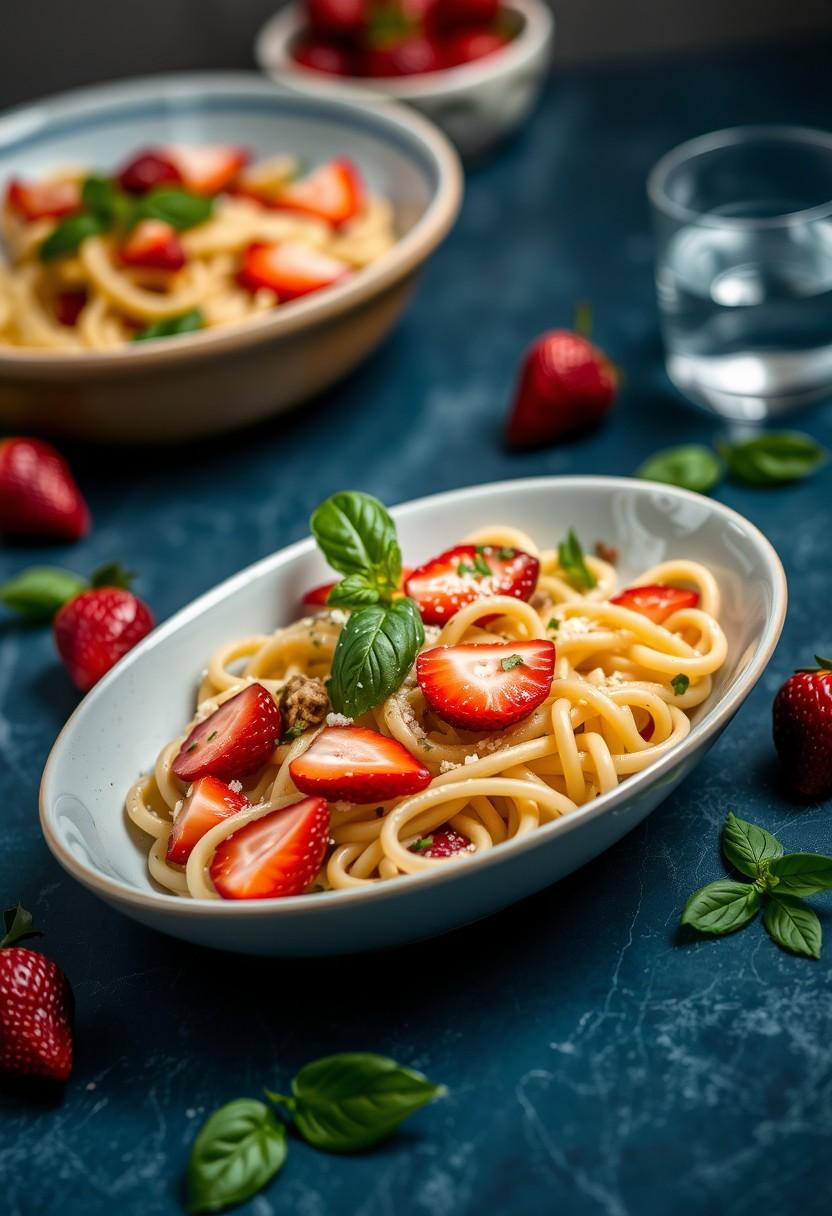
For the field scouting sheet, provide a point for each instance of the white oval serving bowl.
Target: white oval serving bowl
(231, 375)
(117, 730)
(475, 104)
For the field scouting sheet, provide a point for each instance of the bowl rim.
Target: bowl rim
(272, 54)
(406, 255)
(711, 723)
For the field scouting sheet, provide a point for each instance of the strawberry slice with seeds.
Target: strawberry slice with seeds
(485, 685)
(275, 856)
(470, 572)
(43, 200)
(656, 602)
(290, 269)
(153, 243)
(355, 764)
(208, 802)
(235, 741)
(148, 169)
(206, 168)
(444, 842)
(333, 192)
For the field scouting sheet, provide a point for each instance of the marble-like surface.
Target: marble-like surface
(597, 1064)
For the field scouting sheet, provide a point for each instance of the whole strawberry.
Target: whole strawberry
(802, 728)
(38, 494)
(566, 386)
(36, 1007)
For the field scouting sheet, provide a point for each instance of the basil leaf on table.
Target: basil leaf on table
(793, 925)
(353, 592)
(169, 327)
(802, 873)
(748, 847)
(722, 907)
(376, 649)
(36, 594)
(572, 563)
(357, 536)
(347, 1102)
(179, 208)
(773, 458)
(238, 1150)
(68, 234)
(691, 466)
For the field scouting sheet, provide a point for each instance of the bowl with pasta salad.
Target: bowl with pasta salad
(188, 254)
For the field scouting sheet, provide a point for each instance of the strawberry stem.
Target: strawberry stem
(19, 925)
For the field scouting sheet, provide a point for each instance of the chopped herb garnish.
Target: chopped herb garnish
(212, 735)
(192, 746)
(680, 684)
(506, 553)
(511, 661)
(554, 624)
(420, 845)
(463, 568)
(481, 566)
(296, 729)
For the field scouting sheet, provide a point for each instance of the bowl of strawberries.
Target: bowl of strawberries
(474, 67)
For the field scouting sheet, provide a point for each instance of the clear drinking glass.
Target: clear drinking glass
(743, 221)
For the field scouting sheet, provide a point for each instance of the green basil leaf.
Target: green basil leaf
(169, 327)
(179, 208)
(347, 1102)
(102, 197)
(802, 873)
(376, 649)
(573, 565)
(238, 1150)
(357, 536)
(747, 847)
(692, 466)
(793, 925)
(68, 234)
(353, 592)
(773, 458)
(721, 907)
(36, 594)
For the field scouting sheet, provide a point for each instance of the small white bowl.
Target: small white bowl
(118, 729)
(475, 104)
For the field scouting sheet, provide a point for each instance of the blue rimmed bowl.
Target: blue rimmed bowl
(218, 379)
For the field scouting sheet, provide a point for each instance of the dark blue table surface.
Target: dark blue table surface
(597, 1066)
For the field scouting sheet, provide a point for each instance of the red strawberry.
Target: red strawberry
(566, 385)
(149, 168)
(333, 192)
(444, 842)
(291, 269)
(337, 18)
(411, 55)
(38, 495)
(43, 200)
(206, 168)
(208, 802)
(470, 572)
(95, 629)
(359, 765)
(153, 243)
(235, 741)
(656, 602)
(802, 727)
(323, 56)
(468, 45)
(36, 1007)
(68, 306)
(486, 686)
(277, 855)
(316, 597)
(468, 12)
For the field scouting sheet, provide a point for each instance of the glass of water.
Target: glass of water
(744, 268)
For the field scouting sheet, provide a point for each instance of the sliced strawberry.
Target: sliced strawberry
(411, 55)
(208, 802)
(356, 764)
(43, 200)
(471, 44)
(68, 306)
(206, 168)
(444, 842)
(153, 243)
(324, 56)
(316, 597)
(657, 602)
(486, 686)
(291, 269)
(470, 572)
(274, 856)
(148, 169)
(333, 192)
(235, 741)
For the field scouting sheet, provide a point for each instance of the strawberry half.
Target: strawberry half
(321, 56)
(36, 1007)
(235, 741)
(337, 18)
(470, 572)
(153, 243)
(275, 856)
(444, 842)
(486, 686)
(43, 200)
(95, 629)
(333, 192)
(656, 602)
(206, 168)
(148, 169)
(290, 269)
(566, 386)
(358, 765)
(802, 728)
(208, 802)
(38, 494)
(466, 46)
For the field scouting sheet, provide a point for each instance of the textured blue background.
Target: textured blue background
(597, 1065)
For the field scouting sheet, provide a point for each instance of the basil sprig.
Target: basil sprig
(384, 632)
(773, 459)
(169, 327)
(68, 234)
(573, 564)
(692, 466)
(338, 1104)
(779, 880)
